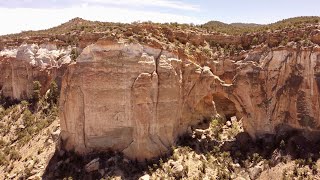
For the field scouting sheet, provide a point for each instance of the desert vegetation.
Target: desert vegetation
(213, 39)
(21, 121)
(214, 149)
(221, 151)
(243, 28)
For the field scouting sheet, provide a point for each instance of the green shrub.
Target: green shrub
(53, 94)
(223, 174)
(300, 162)
(2, 112)
(15, 155)
(36, 95)
(255, 41)
(28, 118)
(3, 160)
(74, 54)
(295, 171)
(41, 124)
(23, 138)
(2, 143)
(15, 116)
(314, 169)
(216, 128)
(256, 158)
(24, 103)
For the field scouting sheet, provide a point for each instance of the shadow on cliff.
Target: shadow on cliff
(287, 144)
(7, 102)
(65, 165)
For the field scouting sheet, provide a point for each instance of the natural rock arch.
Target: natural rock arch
(217, 104)
(133, 91)
(226, 107)
(137, 99)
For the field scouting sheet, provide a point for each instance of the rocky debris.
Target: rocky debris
(102, 172)
(315, 36)
(55, 135)
(45, 55)
(237, 168)
(177, 169)
(145, 177)
(187, 162)
(26, 152)
(21, 126)
(234, 120)
(254, 172)
(34, 177)
(276, 158)
(93, 165)
(12, 176)
(243, 176)
(199, 132)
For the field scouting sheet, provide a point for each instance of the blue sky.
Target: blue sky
(18, 15)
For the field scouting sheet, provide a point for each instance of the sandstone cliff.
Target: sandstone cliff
(122, 97)
(139, 100)
(276, 89)
(21, 66)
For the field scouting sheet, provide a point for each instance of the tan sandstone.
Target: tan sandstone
(138, 100)
(23, 65)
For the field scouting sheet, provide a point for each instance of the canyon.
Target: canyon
(138, 90)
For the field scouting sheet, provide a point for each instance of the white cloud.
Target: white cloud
(154, 3)
(19, 19)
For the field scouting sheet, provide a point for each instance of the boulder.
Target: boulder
(177, 170)
(254, 172)
(92, 165)
(145, 177)
(315, 36)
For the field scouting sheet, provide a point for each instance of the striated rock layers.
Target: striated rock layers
(276, 89)
(139, 100)
(21, 66)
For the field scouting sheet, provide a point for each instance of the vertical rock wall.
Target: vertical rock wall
(20, 67)
(138, 100)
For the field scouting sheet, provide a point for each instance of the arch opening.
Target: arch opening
(216, 106)
(225, 108)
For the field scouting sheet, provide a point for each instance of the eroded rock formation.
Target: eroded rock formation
(275, 88)
(128, 98)
(139, 100)
(21, 66)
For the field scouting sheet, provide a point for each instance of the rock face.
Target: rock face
(276, 89)
(139, 100)
(127, 98)
(20, 67)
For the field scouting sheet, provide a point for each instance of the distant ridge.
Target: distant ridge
(240, 28)
(78, 24)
